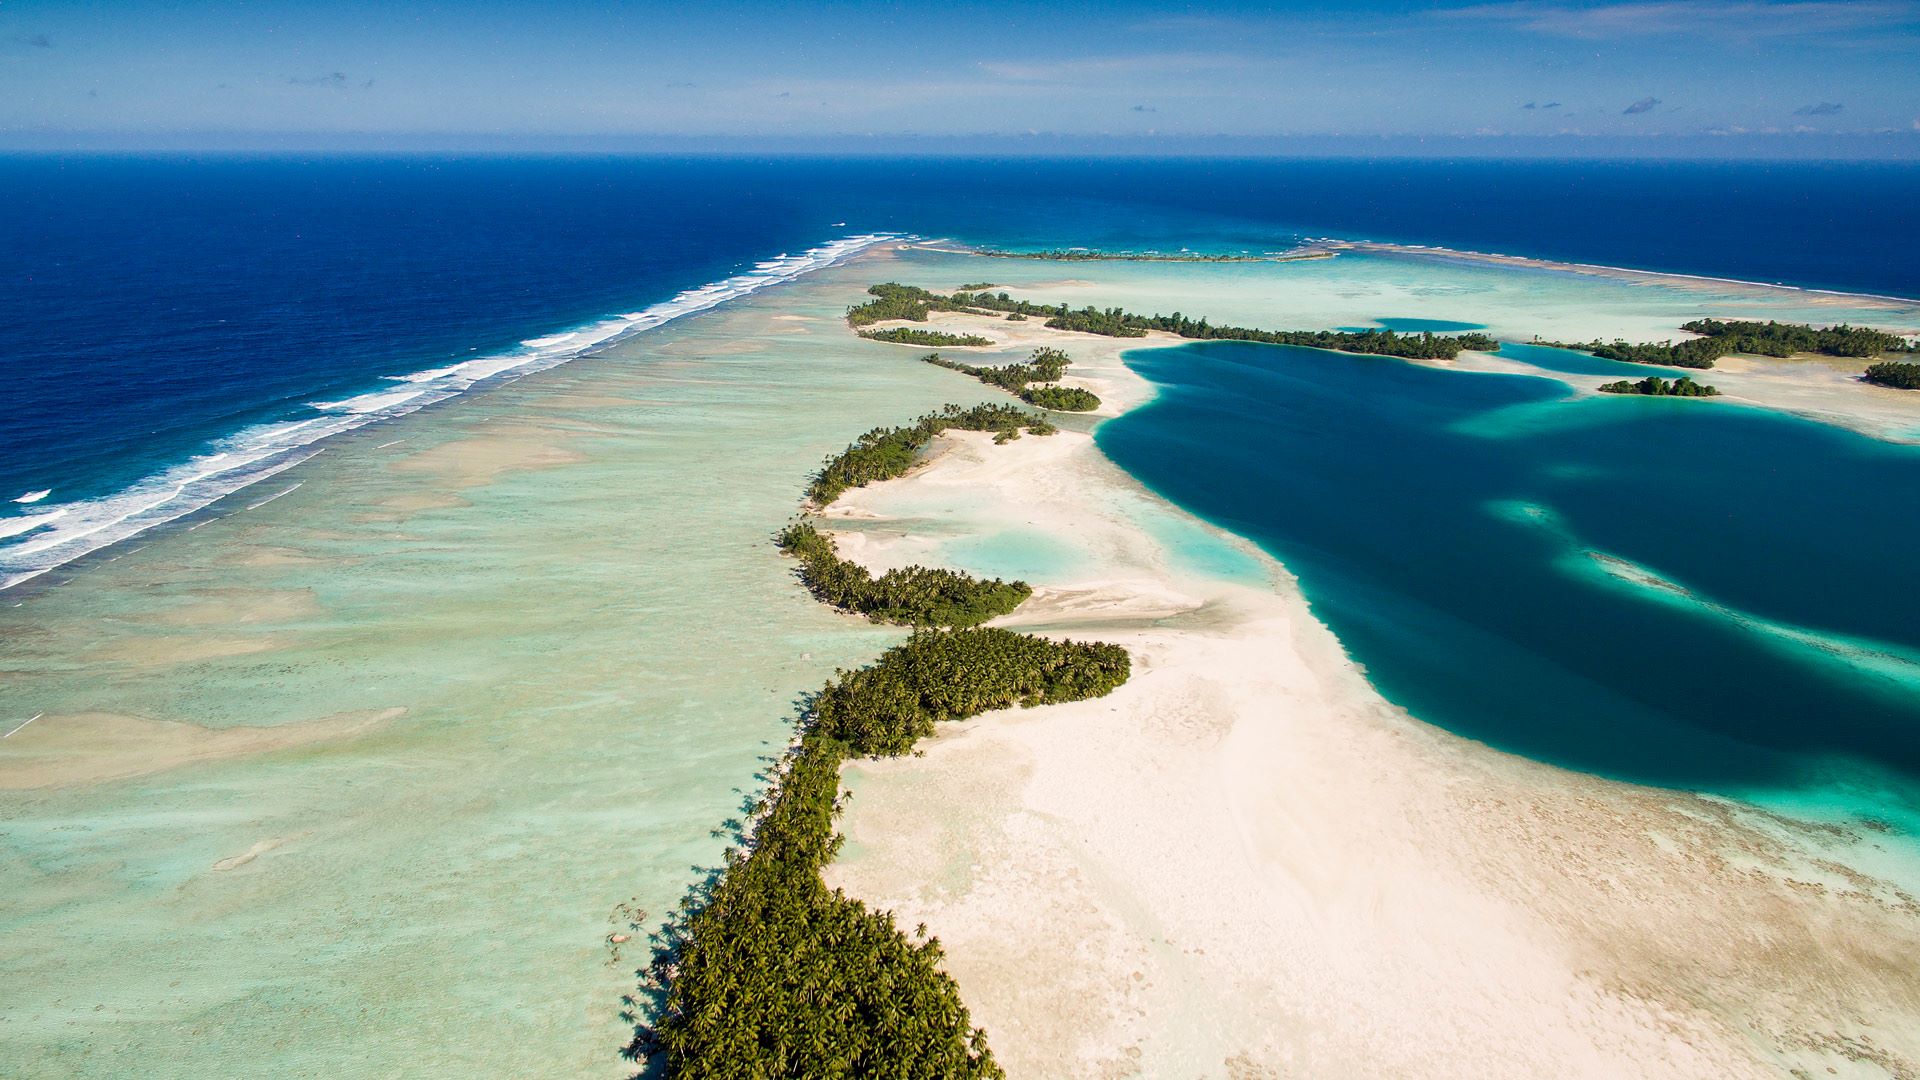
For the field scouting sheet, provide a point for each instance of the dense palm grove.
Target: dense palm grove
(1718, 339)
(884, 453)
(775, 975)
(1787, 339)
(1115, 322)
(938, 675)
(1655, 386)
(772, 975)
(1090, 255)
(767, 973)
(911, 596)
(1044, 366)
(907, 335)
(1061, 398)
(896, 301)
(1892, 373)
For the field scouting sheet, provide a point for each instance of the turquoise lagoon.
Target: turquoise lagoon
(1689, 594)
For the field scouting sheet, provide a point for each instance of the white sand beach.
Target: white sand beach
(1246, 863)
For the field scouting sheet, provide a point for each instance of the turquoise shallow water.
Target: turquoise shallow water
(1674, 592)
(1026, 554)
(565, 590)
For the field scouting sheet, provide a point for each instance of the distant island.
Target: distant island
(1655, 386)
(910, 303)
(1093, 255)
(1720, 339)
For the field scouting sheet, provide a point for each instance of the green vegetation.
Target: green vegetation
(1698, 353)
(771, 974)
(1044, 366)
(1720, 339)
(976, 286)
(951, 675)
(1113, 322)
(911, 303)
(1060, 398)
(767, 973)
(1655, 386)
(1786, 339)
(906, 335)
(1016, 317)
(914, 595)
(895, 301)
(1898, 375)
(1091, 255)
(888, 452)
(775, 975)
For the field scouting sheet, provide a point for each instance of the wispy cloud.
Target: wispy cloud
(1145, 108)
(32, 41)
(1537, 105)
(1707, 18)
(1645, 104)
(1824, 108)
(333, 80)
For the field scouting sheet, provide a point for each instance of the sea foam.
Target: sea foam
(58, 534)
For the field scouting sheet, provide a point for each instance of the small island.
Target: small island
(907, 335)
(1045, 366)
(1095, 255)
(884, 453)
(1893, 373)
(911, 596)
(912, 304)
(1718, 339)
(1655, 386)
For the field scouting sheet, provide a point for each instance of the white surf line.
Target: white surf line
(30, 720)
(270, 498)
(384, 445)
(249, 456)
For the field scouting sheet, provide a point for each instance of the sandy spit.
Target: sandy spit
(1245, 863)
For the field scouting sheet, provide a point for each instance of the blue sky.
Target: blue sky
(1665, 69)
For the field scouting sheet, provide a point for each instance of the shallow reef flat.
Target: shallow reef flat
(364, 779)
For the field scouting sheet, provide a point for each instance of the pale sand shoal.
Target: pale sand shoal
(1825, 389)
(1245, 863)
(1698, 282)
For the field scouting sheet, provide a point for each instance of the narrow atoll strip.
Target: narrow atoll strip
(767, 972)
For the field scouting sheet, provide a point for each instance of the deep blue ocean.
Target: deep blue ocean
(165, 318)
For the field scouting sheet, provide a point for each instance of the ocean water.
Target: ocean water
(388, 731)
(1681, 593)
(178, 328)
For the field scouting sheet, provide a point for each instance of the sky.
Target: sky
(1637, 73)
